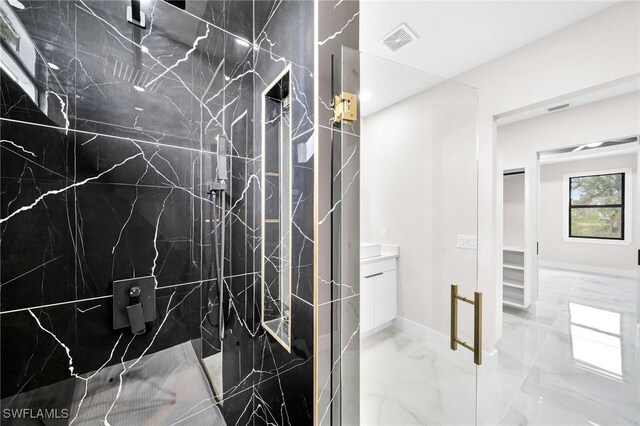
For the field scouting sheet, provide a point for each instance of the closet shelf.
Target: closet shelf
(514, 284)
(513, 249)
(512, 304)
(516, 256)
(513, 266)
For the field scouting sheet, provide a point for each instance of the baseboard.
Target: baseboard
(375, 330)
(436, 339)
(424, 334)
(587, 268)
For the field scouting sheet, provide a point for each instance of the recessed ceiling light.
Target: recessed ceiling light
(16, 4)
(594, 145)
(138, 88)
(587, 146)
(53, 66)
(365, 96)
(242, 42)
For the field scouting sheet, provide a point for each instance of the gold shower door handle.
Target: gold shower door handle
(477, 323)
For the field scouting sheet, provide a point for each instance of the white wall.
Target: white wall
(617, 117)
(519, 143)
(392, 152)
(411, 188)
(554, 249)
(595, 52)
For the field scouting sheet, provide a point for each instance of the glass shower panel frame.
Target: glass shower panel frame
(445, 166)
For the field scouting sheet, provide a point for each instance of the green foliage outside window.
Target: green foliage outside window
(597, 206)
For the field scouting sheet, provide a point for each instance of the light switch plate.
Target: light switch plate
(467, 241)
(385, 235)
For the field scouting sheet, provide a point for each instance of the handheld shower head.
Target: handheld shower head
(220, 174)
(221, 168)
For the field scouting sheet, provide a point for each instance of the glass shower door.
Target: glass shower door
(405, 183)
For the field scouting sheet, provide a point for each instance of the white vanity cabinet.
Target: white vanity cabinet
(378, 293)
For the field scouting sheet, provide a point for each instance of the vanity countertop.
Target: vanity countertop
(388, 251)
(383, 256)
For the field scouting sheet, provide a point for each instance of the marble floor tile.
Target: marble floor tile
(570, 359)
(526, 411)
(404, 382)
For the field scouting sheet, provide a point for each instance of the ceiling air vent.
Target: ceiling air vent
(558, 108)
(399, 38)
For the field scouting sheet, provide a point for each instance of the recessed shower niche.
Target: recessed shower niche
(276, 208)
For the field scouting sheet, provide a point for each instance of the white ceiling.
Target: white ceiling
(454, 36)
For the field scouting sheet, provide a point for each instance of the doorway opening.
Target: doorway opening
(569, 270)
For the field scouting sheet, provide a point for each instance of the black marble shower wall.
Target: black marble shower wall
(111, 184)
(284, 380)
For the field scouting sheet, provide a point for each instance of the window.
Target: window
(596, 208)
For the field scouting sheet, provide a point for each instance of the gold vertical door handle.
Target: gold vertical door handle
(454, 317)
(476, 348)
(477, 328)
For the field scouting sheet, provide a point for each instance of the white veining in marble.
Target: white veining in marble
(167, 387)
(570, 359)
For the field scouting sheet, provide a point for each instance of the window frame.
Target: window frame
(621, 206)
(628, 205)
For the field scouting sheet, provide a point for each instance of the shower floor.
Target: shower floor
(164, 388)
(213, 365)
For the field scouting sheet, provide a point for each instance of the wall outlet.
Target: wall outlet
(385, 235)
(467, 241)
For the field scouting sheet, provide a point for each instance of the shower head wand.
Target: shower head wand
(221, 169)
(221, 175)
(217, 190)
